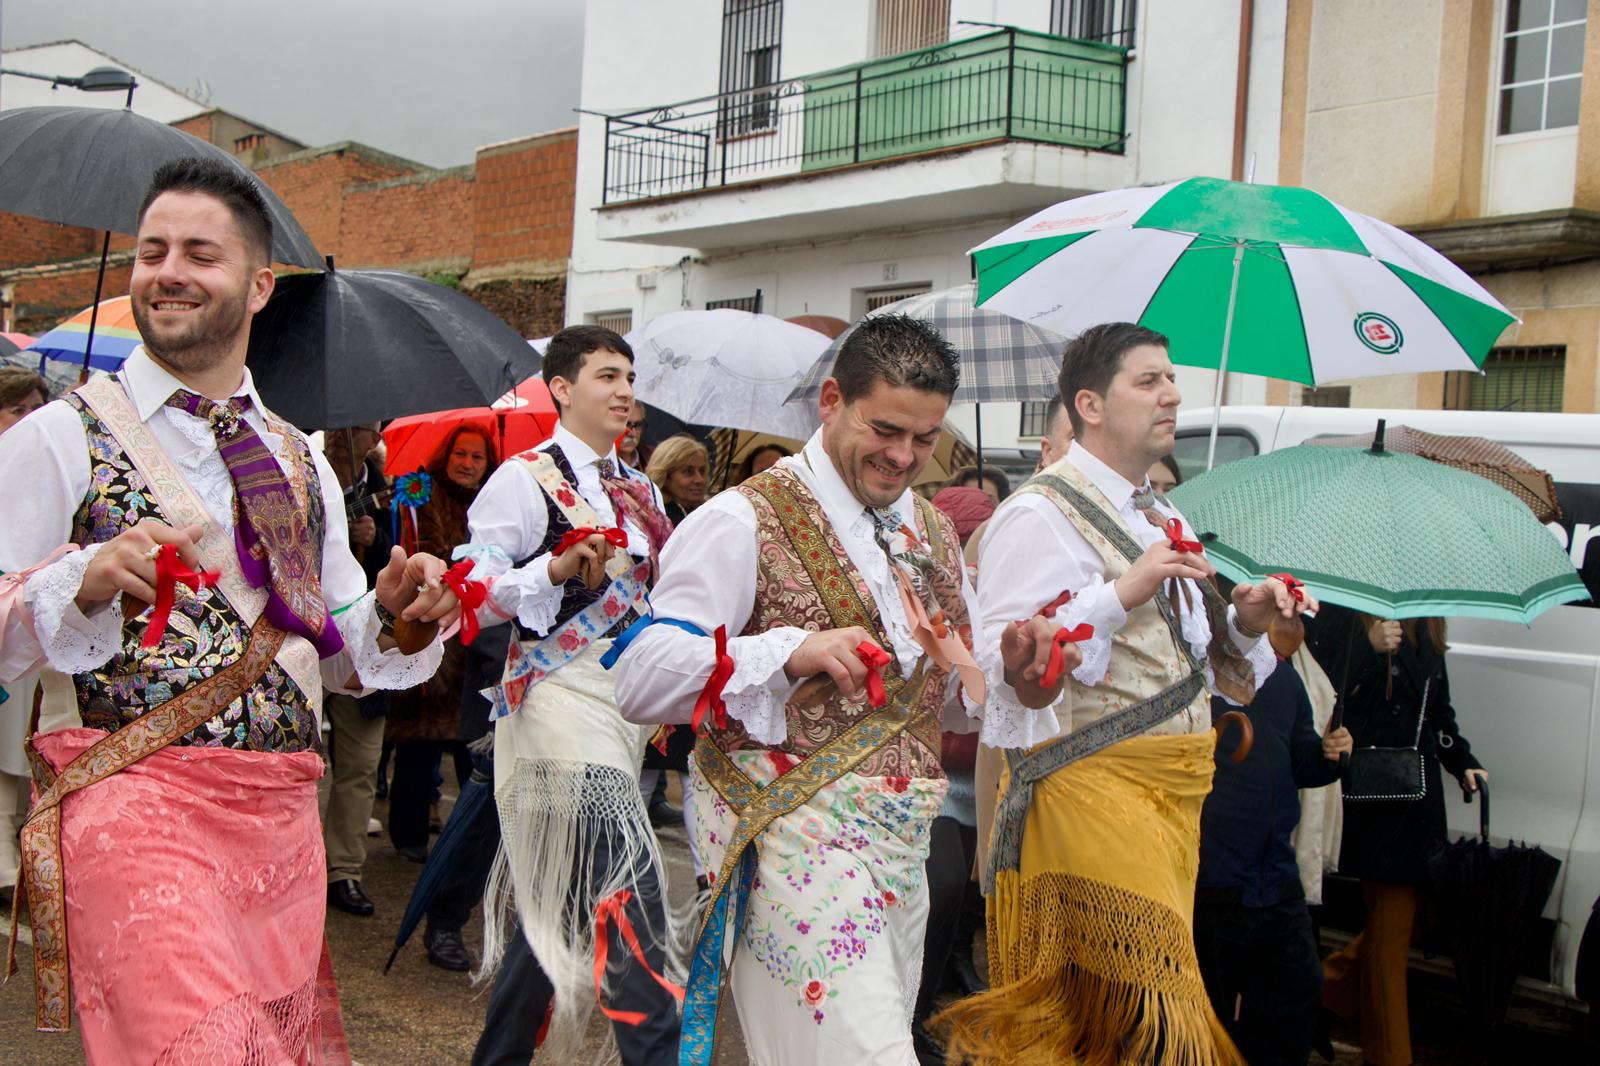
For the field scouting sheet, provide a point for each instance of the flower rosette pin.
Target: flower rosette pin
(410, 492)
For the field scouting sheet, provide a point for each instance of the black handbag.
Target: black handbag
(1389, 774)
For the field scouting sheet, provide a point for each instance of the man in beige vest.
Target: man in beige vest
(1092, 867)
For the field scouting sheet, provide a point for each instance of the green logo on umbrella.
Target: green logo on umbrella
(1379, 332)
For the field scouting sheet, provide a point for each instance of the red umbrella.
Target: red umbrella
(827, 325)
(518, 420)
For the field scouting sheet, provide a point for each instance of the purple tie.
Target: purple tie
(269, 530)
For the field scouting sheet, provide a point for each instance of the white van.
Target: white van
(1526, 697)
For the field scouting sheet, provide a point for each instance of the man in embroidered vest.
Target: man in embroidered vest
(807, 625)
(1092, 865)
(187, 890)
(569, 538)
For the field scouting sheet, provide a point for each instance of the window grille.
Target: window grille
(619, 322)
(1035, 418)
(1110, 21)
(884, 297)
(1326, 396)
(738, 303)
(1541, 64)
(1513, 379)
(906, 25)
(752, 32)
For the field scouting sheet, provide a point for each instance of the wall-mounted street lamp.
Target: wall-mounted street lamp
(98, 80)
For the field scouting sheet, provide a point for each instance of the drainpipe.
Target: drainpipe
(1241, 92)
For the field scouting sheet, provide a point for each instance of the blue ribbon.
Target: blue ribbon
(620, 645)
(698, 1036)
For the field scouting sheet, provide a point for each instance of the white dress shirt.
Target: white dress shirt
(708, 577)
(508, 521)
(1031, 553)
(44, 460)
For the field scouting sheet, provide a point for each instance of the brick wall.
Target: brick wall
(312, 185)
(535, 307)
(25, 241)
(38, 303)
(522, 220)
(421, 223)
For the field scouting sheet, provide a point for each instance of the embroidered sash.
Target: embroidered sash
(530, 662)
(182, 507)
(42, 886)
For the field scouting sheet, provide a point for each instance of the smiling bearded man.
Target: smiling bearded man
(174, 856)
(807, 624)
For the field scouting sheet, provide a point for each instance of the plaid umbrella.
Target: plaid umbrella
(1002, 358)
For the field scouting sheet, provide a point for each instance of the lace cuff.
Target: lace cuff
(1008, 724)
(523, 593)
(759, 689)
(71, 642)
(377, 668)
(1098, 605)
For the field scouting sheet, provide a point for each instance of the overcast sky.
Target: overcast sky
(427, 80)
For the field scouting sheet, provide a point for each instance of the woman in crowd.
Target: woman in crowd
(1164, 475)
(21, 392)
(424, 722)
(1398, 698)
(758, 460)
(678, 467)
(993, 483)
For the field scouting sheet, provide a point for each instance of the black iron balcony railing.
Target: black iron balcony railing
(1007, 85)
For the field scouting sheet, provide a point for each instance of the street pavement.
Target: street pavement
(419, 1015)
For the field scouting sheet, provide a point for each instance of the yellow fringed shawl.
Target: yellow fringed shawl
(1091, 944)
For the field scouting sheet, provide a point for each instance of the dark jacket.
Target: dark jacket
(372, 558)
(1245, 853)
(1389, 841)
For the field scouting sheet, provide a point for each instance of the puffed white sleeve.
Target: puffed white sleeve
(506, 522)
(708, 577)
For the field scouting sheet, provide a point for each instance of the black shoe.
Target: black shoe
(382, 791)
(664, 815)
(967, 981)
(446, 951)
(927, 1049)
(414, 852)
(1322, 1040)
(347, 896)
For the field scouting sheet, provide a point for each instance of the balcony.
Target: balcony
(1026, 102)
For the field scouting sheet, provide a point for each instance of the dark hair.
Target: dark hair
(898, 350)
(1093, 357)
(1170, 461)
(236, 189)
(441, 458)
(565, 354)
(967, 475)
(748, 464)
(17, 381)
(1053, 409)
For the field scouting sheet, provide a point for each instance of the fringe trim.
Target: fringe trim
(1087, 973)
(544, 878)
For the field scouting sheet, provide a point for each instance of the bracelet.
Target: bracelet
(386, 618)
(1245, 631)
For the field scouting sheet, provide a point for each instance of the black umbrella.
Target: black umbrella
(1488, 899)
(91, 167)
(354, 346)
(441, 864)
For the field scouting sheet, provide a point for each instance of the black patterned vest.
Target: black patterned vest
(204, 634)
(575, 595)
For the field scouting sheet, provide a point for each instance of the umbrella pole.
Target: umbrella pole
(94, 308)
(977, 432)
(1227, 341)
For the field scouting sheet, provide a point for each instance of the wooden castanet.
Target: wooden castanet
(412, 637)
(1286, 635)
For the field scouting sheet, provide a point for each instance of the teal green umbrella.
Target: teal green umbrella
(1260, 279)
(1393, 535)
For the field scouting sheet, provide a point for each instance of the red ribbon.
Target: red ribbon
(876, 659)
(711, 696)
(1293, 584)
(470, 593)
(613, 908)
(169, 571)
(1175, 534)
(1058, 644)
(617, 537)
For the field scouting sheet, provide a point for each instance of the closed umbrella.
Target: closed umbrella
(726, 368)
(1261, 279)
(353, 346)
(442, 859)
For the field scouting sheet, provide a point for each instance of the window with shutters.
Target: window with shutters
(1109, 21)
(1326, 396)
(877, 298)
(1513, 379)
(616, 321)
(906, 25)
(752, 34)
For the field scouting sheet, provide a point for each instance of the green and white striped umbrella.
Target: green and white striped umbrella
(1260, 279)
(1394, 535)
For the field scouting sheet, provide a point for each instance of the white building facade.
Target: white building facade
(825, 156)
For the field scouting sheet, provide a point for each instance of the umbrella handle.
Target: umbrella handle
(1483, 808)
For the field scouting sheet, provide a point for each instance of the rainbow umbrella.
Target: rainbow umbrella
(115, 336)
